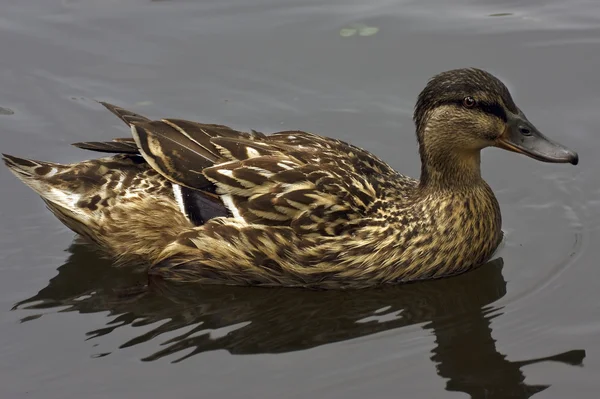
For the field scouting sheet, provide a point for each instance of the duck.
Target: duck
(208, 204)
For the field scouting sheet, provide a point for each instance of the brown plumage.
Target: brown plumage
(209, 204)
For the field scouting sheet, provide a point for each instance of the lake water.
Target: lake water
(527, 324)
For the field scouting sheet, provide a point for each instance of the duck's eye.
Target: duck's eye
(469, 102)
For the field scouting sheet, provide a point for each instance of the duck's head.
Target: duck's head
(462, 111)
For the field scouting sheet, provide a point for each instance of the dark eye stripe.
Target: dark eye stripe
(493, 109)
(488, 108)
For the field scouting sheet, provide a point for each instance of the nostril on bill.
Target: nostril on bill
(525, 130)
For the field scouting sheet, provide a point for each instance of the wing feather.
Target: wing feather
(313, 184)
(117, 147)
(174, 155)
(125, 115)
(282, 190)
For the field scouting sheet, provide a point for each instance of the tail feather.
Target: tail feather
(125, 115)
(22, 168)
(119, 202)
(33, 173)
(50, 181)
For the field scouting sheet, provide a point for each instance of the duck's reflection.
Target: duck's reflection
(260, 320)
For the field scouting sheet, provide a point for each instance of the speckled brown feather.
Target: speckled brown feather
(119, 202)
(393, 244)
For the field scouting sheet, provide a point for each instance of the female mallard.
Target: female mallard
(209, 204)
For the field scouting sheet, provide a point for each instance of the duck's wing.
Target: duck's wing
(177, 149)
(313, 184)
(296, 179)
(283, 192)
(180, 150)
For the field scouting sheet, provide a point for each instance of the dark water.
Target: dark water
(526, 324)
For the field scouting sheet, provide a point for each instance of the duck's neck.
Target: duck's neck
(445, 168)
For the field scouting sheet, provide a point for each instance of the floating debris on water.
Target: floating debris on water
(360, 29)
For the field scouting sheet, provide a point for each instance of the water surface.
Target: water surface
(526, 324)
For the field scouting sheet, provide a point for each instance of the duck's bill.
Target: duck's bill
(522, 137)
